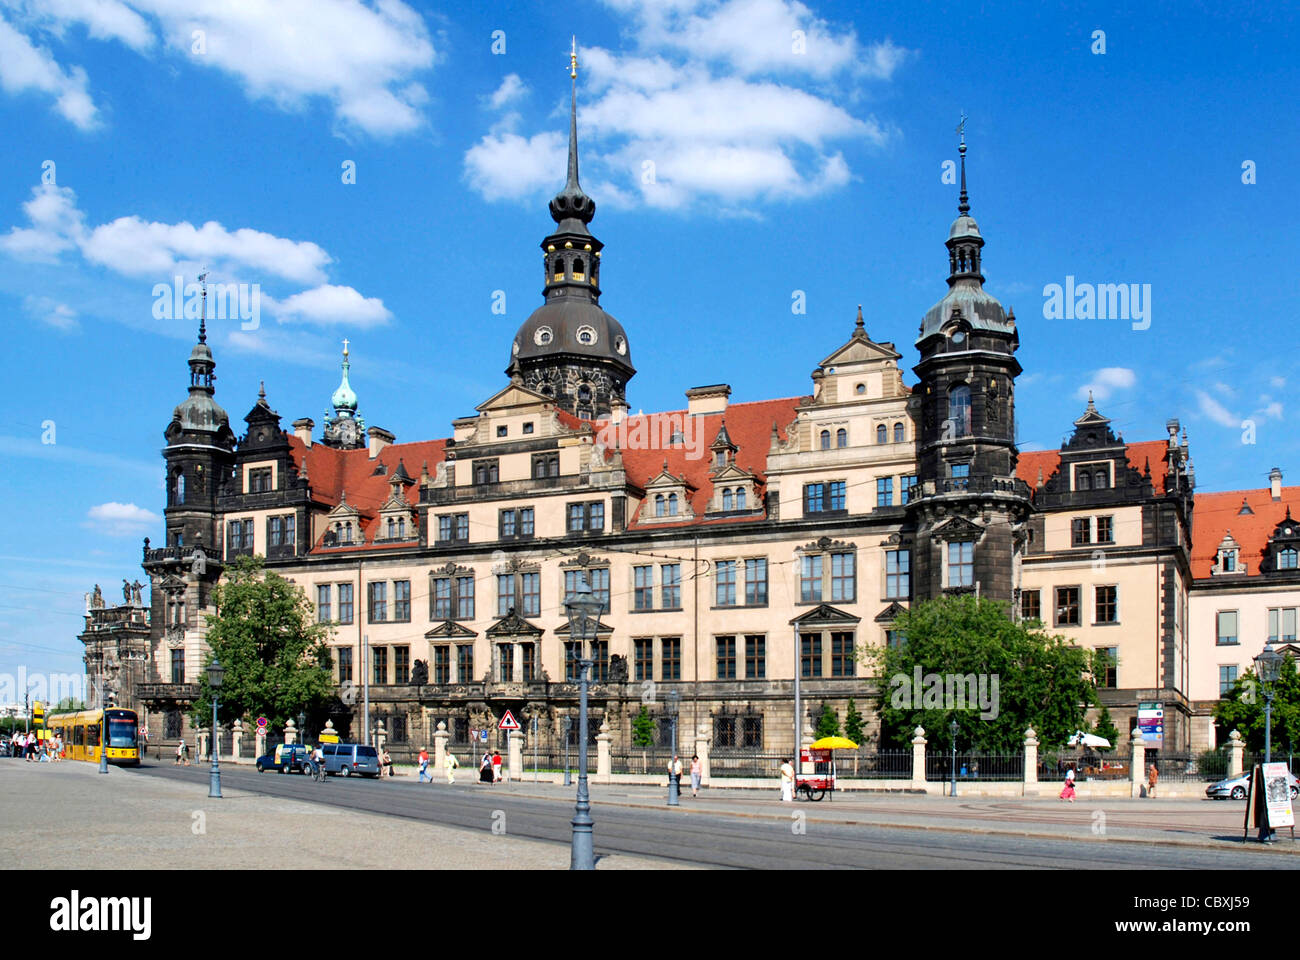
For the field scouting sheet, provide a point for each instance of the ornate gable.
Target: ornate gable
(957, 528)
(450, 630)
(513, 625)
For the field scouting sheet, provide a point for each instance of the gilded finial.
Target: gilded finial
(345, 348)
(573, 59)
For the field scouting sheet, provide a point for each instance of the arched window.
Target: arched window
(392, 526)
(347, 532)
(740, 498)
(898, 433)
(659, 504)
(841, 437)
(882, 434)
(672, 504)
(1085, 480)
(726, 499)
(401, 526)
(1287, 558)
(180, 488)
(578, 270)
(584, 393)
(1100, 481)
(826, 439)
(959, 410)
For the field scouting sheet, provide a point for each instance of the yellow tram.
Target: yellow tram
(81, 734)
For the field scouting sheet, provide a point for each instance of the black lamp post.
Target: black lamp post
(1269, 665)
(952, 728)
(302, 734)
(583, 609)
(673, 786)
(568, 735)
(106, 702)
(215, 674)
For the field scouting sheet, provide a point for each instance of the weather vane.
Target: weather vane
(961, 127)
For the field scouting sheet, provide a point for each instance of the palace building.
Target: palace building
(732, 542)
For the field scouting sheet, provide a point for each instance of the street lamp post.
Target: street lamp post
(1269, 666)
(952, 728)
(568, 735)
(302, 733)
(215, 674)
(673, 788)
(104, 704)
(583, 609)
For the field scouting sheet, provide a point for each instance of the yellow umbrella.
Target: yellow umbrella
(834, 743)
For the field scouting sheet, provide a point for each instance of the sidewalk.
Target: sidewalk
(68, 816)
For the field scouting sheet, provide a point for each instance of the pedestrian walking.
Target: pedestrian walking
(485, 768)
(388, 763)
(496, 767)
(450, 764)
(424, 764)
(182, 754)
(697, 773)
(30, 754)
(675, 772)
(1067, 792)
(1152, 776)
(787, 782)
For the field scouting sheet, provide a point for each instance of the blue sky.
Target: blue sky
(774, 171)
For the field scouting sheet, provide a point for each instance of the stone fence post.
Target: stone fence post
(259, 741)
(805, 741)
(1031, 762)
(1137, 765)
(440, 738)
(381, 737)
(1236, 748)
(515, 770)
(603, 765)
(918, 759)
(290, 733)
(702, 751)
(236, 735)
(329, 731)
(201, 745)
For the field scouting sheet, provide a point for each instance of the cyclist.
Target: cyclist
(318, 763)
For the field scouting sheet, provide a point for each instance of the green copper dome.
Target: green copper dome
(344, 399)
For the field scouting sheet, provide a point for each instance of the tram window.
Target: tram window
(92, 735)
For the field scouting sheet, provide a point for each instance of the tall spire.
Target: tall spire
(963, 205)
(571, 208)
(203, 315)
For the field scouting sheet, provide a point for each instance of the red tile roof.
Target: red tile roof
(1215, 514)
(1139, 454)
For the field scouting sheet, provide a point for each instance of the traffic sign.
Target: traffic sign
(508, 722)
(261, 721)
(483, 735)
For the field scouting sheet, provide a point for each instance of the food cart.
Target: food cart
(820, 754)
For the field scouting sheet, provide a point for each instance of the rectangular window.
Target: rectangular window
(842, 655)
(898, 574)
(843, 578)
(600, 586)
(1110, 671)
(821, 497)
(441, 599)
(528, 659)
(486, 471)
(506, 524)
(1067, 606)
(345, 664)
(378, 602)
(755, 656)
(525, 521)
(670, 658)
(643, 658)
(600, 661)
(546, 465)
(1281, 625)
(259, 480)
(810, 579)
(380, 662)
(643, 588)
(1107, 599)
(751, 731)
(274, 531)
(1227, 628)
(401, 664)
(505, 662)
(725, 585)
(505, 593)
(402, 601)
(724, 731)
(756, 582)
(905, 487)
(884, 491)
(671, 589)
(464, 598)
(453, 527)
(516, 523)
(323, 607)
(1081, 531)
(1031, 605)
(345, 603)
(726, 658)
(178, 665)
(1227, 679)
(465, 663)
(837, 494)
(572, 651)
(531, 584)
(894, 639)
(810, 654)
(586, 517)
(1105, 529)
(441, 664)
(961, 564)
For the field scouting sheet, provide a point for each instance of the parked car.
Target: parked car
(1236, 788)
(286, 759)
(351, 759)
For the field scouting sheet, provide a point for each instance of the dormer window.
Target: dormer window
(720, 458)
(1287, 558)
(1228, 561)
(587, 335)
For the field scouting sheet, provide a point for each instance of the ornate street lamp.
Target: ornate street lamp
(568, 735)
(302, 734)
(583, 610)
(106, 702)
(1269, 666)
(952, 728)
(216, 672)
(671, 710)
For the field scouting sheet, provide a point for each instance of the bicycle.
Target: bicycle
(318, 772)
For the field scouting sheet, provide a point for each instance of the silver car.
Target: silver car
(351, 759)
(1237, 787)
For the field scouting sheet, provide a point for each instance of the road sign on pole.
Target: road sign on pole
(508, 722)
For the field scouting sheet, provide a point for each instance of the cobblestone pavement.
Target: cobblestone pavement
(68, 816)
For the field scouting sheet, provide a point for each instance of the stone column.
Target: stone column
(201, 745)
(381, 736)
(515, 769)
(603, 765)
(329, 730)
(440, 738)
(259, 741)
(918, 759)
(702, 749)
(1137, 765)
(1236, 748)
(290, 733)
(236, 734)
(1031, 762)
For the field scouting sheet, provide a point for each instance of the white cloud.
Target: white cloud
(329, 304)
(121, 519)
(1106, 381)
(1278, 382)
(103, 19)
(1215, 411)
(508, 166)
(1224, 389)
(1272, 410)
(26, 66)
(511, 89)
(56, 225)
(50, 312)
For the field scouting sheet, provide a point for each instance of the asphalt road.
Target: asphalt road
(722, 840)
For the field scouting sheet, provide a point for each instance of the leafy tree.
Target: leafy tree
(643, 733)
(828, 724)
(1105, 727)
(1243, 709)
(964, 646)
(275, 658)
(68, 704)
(854, 724)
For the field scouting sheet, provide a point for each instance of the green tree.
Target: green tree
(1243, 709)
(1009, 675)
(276, 661)
(828, 724)
(643, 733)
(854, 724)
(1105, 727)
(69, 704)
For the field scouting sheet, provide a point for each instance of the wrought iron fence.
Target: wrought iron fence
(882, 765)
(650, 761)
(1175, 768)
(1250, 759)
(747, 763)
(975, 766)
(1087, 765)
